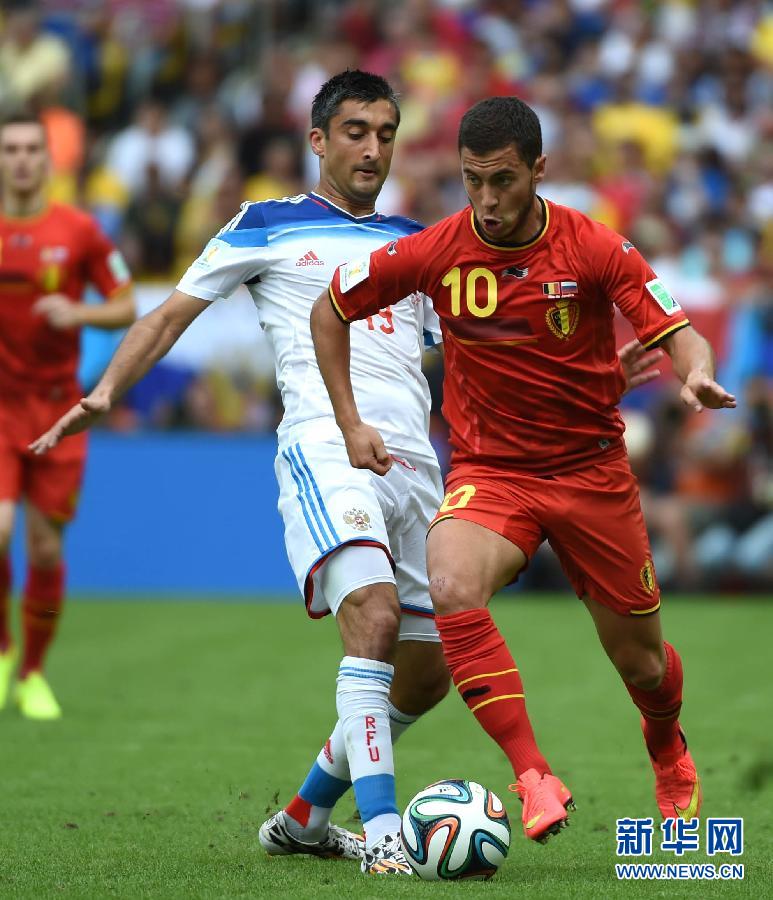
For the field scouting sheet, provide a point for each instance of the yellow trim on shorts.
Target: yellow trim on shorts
(434, 522)
(646, 612)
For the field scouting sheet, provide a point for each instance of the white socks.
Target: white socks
(309, 813)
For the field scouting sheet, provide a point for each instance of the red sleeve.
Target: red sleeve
(105, 267)
(362, 287)
(638, 293)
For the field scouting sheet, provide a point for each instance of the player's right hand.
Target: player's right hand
(366, 449)
(80, 417)
(699, 391)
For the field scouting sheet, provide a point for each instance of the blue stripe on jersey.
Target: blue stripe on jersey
(402, 223)
(336, 538)
(307, 489)
(268, 220)
(429, 340)
(336, 228)
(320, 545)
(250, 237)
(375, 796)
(323, 789)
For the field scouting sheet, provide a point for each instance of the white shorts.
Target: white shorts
(326, 504)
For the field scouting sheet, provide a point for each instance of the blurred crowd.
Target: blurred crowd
(657, 119)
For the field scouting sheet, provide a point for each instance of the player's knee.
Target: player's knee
(380, 630)
(45, 552)
(369, 620)
(453, 593)
(642, 668)
(5, 540)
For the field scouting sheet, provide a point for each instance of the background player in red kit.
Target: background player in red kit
(526, 292)
(48, 254)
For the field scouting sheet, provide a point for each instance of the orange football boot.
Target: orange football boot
(546, 801)
(677, 785)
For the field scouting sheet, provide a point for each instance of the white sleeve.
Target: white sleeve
(433, 336)
(221, 268)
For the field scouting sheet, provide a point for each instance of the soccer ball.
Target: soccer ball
(455, 829)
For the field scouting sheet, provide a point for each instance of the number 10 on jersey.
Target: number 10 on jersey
(453, 280)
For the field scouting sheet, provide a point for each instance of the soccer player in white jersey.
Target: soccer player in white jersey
(355, 541)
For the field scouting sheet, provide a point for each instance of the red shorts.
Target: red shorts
(591, 518)
(52, 482)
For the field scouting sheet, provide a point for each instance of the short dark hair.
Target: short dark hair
(494, 123)
(22, 117)
(352, 84)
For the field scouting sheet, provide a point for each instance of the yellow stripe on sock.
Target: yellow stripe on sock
(486, 675)
(494, 700)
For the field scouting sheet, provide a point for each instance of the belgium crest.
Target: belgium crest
(647, 575)
(562, 318)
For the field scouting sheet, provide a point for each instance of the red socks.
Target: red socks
(661, 707)
(299, 809)
(486, 677)
(5, 603)
(43, 595)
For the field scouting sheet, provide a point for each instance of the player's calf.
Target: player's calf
(421, 678)
(7, 664)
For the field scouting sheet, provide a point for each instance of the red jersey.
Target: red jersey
(532, 376)
(57, 252)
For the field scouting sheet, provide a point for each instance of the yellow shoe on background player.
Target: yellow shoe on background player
(7, 663)
(35, 698)
(546, 802)
(677, 786)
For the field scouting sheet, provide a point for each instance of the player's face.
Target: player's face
(502, 191)
(23, 158)
(357, 153)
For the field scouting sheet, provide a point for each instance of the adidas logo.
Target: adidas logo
(310, 258)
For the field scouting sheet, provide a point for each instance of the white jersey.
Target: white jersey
(285, 252)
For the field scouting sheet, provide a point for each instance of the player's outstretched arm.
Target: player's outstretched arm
(332, 345)
(693, 361)
(638, 364)
(61, 313)
(145, 343)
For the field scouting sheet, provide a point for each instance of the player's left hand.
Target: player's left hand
(699, 391)
(638, 364)
(60, 312)
(78, 418)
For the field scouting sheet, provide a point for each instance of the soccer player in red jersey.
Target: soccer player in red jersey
(526, 292)
(48, 254)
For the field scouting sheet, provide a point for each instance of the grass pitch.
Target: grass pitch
(187, 723)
